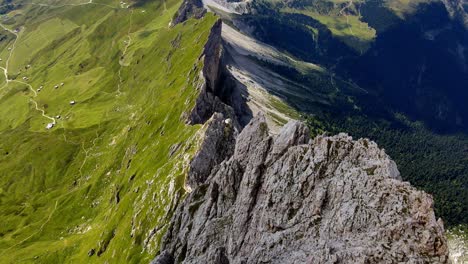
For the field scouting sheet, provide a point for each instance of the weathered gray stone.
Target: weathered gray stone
(218, 144)
(207, 102)
(290, 199)
(163, 258)
(189, 9)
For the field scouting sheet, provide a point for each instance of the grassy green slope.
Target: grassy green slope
(102, 179)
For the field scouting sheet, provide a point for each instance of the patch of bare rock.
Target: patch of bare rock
(292, 199)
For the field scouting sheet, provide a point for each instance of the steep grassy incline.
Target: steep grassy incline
(113, 82)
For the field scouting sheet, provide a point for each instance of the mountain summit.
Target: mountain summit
(200, 131)
(292, 199)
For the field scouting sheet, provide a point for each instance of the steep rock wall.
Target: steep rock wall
(291, 199)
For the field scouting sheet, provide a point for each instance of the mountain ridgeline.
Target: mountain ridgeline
(257, 198)
(165, 131)
(414, 62)
(291, 199)
(391, 71)
(94, 139)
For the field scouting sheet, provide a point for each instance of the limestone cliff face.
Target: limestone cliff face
(292, 199)
(208, 102)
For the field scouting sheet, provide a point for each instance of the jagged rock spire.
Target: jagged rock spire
(290, 199)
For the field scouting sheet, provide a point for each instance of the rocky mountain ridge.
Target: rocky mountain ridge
(258, 198)
(102, 185)
(292, 199)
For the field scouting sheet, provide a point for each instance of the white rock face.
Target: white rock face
(290, 199)
(233, 7)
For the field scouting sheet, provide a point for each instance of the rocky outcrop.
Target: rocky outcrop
(217, 145)
(189, 9)
(208, 101)
(229, 6)
(212, 53)
(291, 199)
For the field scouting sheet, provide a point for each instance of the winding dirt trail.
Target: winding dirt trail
(11, 49)
(43, 113)
(5, 72)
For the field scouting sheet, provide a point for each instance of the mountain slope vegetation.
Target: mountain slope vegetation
(93, 146)
(94, 97)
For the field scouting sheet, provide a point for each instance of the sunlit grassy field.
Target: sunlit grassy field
(101, 180)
